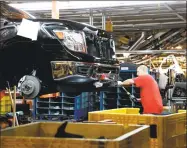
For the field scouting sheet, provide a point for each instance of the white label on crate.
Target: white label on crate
(124, 68)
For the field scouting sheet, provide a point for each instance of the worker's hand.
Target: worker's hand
(138, 100)
(120, 83)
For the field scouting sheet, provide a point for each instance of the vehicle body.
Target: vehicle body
(71, 64)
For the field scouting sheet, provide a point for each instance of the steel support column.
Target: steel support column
(91, 17)
(103, 20)
(55, 9)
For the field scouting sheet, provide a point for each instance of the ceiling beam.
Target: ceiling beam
(147, 26)
(111, 14)
(152, 51)
(177, 14)
(143, 21)
(161, 20)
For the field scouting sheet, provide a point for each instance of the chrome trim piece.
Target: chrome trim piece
(61, 69)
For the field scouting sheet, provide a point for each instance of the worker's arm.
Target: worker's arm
(126, 82)
(138, 81)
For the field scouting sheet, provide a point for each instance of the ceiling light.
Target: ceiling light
(144, 57)
(126, 55)
(149, 37)
(179, 47)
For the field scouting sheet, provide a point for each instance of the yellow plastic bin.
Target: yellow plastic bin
(5, 105)
(164, 128)
(174, 131)
(181, 111)
(122, 110)
(41, 135)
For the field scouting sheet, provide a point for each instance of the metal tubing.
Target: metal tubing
(138, 42)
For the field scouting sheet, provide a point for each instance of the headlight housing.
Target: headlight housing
(73, 40)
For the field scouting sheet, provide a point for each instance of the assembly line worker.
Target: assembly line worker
(149, 91)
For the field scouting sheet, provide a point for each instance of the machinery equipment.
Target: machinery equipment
(62, 56)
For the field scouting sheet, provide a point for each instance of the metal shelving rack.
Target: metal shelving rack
(108, 99)
(62, 107)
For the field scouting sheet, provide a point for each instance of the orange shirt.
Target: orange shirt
(150, 95)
